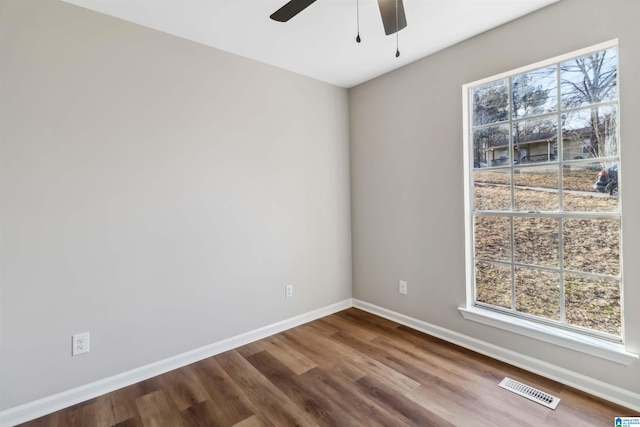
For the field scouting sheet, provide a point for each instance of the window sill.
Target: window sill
(571, 340)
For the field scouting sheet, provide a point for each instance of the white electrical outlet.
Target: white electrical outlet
(402, 287)
(80, 343)
(288, 291)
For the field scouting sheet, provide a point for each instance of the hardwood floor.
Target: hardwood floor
(348, 369)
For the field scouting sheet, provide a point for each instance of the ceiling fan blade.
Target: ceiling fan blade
(290, 10)
(388, 14)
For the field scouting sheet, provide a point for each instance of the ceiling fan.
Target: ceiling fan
(391, 11)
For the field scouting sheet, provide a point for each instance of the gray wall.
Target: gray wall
(407, 173)
(157, 193)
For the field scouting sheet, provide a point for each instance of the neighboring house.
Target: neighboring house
(542, 147)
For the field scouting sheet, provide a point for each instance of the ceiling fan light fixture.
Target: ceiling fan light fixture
(397, 32)
(391, 12)
(393, 16)
(358, 20)
(291, 9)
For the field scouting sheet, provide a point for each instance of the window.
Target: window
(542, 200)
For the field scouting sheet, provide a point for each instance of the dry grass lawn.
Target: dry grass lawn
(590, 245)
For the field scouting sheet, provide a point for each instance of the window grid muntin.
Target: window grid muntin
(560, 214)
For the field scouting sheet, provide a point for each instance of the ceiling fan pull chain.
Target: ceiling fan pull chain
(397, 31)
(358, 20)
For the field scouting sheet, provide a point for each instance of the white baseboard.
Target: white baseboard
(47, 405)
(38, 408)
(581, 382)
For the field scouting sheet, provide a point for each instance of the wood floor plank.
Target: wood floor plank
(584, 410)
(322, 409)
(364, 362)
(269, 400)
(99, 413)
(444, 372)
(123, 402)
(443, 351)
(368, 321)
(323, 355)
(131, 422)
(510, 409)
(474, 364)
(406, 340)
(251, 348)
(254, 421)
(74, 415)
(447, 405)
(157, 410)
(290, 357)
(441, 373)
(203, 414)
(339, 323)
(317, 329)
(350, 368)
(405, 364)
(405, 409)
(183, 387)
(345, 395)
(230, 401)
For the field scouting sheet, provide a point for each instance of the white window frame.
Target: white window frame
(593, 345)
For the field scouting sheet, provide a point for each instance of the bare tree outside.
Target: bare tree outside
(587, 82)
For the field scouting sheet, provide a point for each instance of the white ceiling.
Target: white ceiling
(320, 41)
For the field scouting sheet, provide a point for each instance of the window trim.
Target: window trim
(548, 333)
(593, 346)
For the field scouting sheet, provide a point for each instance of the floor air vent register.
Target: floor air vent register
(530, 393)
